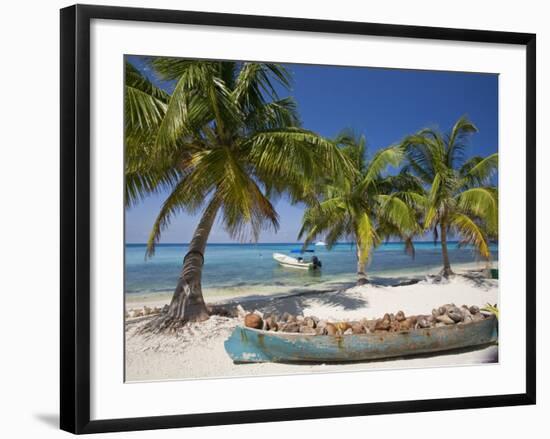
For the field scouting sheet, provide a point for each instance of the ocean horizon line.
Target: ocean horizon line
(284, 243)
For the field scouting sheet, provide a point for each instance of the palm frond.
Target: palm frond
(329, 217)
(432, 203)
(398, 213)
(493, 309)
(471, 233)
(140, 184)
(354, 146)
(293, 156)
(256, 82)
(390, 156)
(481, 202)
(403, 181)
(244, 204)
(135, 79)
(478, 170)
(144, 103)
(457, 140)
(200, 97)
(424, 155)
(275, 115)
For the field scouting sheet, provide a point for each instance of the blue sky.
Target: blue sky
(382, 104)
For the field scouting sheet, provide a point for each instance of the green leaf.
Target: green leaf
(471, 233)
(481, 202)
(478, 170)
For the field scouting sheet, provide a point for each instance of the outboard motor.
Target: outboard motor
(316, 262)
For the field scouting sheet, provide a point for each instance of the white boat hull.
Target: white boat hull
(290, 262)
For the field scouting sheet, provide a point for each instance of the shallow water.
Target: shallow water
(239, 269)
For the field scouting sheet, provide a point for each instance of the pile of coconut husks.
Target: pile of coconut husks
(448, 314)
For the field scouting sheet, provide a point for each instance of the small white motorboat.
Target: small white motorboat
(320, 243)
(290, 262)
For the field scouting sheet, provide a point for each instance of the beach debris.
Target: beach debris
(369, 325)
(321, 330)
(383, 324)
(331, 329)
(253, 320)
(444, 318)
(321, 327)
(270, 324)
(407, 324)
(477, 317)
(358, 328)
(423, 322)
(400, 316)
(291, 327)
(289, 318)
(275, 317)
(342, 327)
(136, 313)
(455, 315)
(241, 312)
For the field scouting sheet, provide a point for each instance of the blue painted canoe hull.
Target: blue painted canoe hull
(246, 345)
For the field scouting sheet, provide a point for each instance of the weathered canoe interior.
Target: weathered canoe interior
(246, 345)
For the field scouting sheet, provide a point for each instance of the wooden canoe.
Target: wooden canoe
(246, 345)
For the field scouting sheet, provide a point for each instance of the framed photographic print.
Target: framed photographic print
(342, 212)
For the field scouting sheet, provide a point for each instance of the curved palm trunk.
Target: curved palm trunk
(446, 272)
(361, 267)
(187, 303)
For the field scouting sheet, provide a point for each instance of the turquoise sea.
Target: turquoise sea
(243, 269)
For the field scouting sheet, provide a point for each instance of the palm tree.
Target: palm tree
(460, 198)
(224, 143)
(365, 206)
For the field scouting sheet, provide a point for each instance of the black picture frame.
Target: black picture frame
(75, 217)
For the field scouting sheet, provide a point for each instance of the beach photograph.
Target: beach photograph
(296, 219)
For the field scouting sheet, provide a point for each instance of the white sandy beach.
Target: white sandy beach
(197, 351)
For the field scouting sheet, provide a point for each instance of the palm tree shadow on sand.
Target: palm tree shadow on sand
(296, 300)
